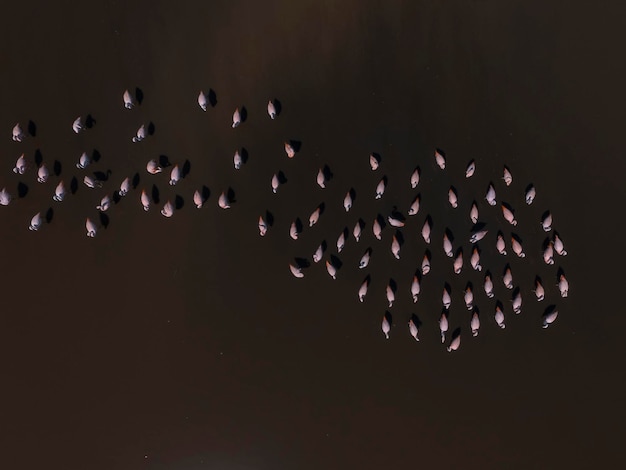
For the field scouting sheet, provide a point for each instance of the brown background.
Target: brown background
(186, 343)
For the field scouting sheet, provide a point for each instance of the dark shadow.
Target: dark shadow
(336, 262)
(428, 255)
(429, 219)
(230, 194)
(155, 194)
(49, 215)
(352, 193)
(470, 285)
(377, 157)
(506, 267)
(447, 287)
(515, 292)
(388, 317)
(449, 234)
(32, 128)
(381, 221)
(475, 310)
(361, 223)
(135, 180)
(38, 157)
(138, 95)
(95, 156)
(459, 251)
(367, 279)
(321, 207)
(282, 179)
(545, 243)
(538, 280)
(543, 216)
(243, 114)
(499, 304)
(456, 333)
(164, 161)
(478, 227)
(508, 206)
(244, 155)
(179, 202)
(22, 189)
(559, 273)
(399, 237)
(151, 128)
(296, 145)
(416, 321)
(328, 175)
(324, 245)
(212, 97)
(393, 284)
(73, 185)
(549, 309)
(302, 263)
(277, 106)
(90, 121)
(56, 168)
(101, 175)
(104, 219)
(116, 197)
(205, 192)
(298, 223)
(516, 237)
(186, 169)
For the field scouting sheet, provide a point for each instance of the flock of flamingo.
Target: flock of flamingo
(480, 232)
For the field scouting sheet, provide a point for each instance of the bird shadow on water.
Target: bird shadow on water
(22, 189)
(302, 263)
(155, 194)
(38, 157)
(49, 215)
(179, 202)
(328, 175)
(102, 176)
(456, 333)
(278, 107)
(399, 237)
(416, 321)
(151, 128)
(116, 197)
(336, 262)
(244, 155)
(186, 168)
(104, 219)
(230, 194)
(164, 161)
(139, 95)
(296, 145)
(73, 185)
(90, 121)
(56, 168)
(205, 192)
(32, 128)
(135, 180)
(212, 97)
(269, 218)
(243, 114)
(282, 179)
(95, 155)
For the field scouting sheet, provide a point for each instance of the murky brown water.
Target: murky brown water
(186, 343)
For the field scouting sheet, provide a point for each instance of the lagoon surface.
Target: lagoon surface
(186, 343)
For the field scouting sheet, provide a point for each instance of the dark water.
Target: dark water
(186, 343)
